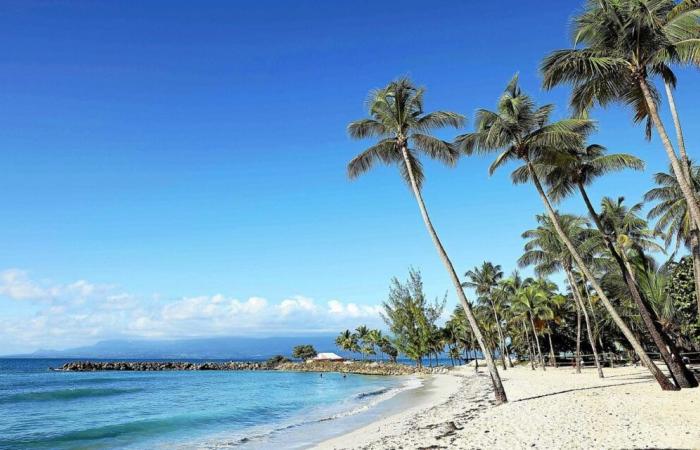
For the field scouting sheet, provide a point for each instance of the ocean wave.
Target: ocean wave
(65, 394)
(127, 432)
(376, 397)
(362, 395)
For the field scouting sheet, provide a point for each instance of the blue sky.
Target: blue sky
(163, 155)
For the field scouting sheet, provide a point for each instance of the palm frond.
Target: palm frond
(384, 151)
(436, 148)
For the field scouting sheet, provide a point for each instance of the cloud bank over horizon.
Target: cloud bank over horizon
(43, 314)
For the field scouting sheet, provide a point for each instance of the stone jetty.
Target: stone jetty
(354, 367)
(149, 366)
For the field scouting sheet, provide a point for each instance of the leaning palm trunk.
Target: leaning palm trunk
(510, 361)
(552, 358)
(530, 352)
(670, 353)
(678, 171)
(501, 342)
(579, 300)
(597, 333)
(683, 377)
(537, 341)
(694, 244)
(664, 383)
(679, 130)
(493, 371)
(695, 251)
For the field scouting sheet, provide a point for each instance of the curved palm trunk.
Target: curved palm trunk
(499, 391)
(664, 383)
(537, 341)
(552, 358)
(675, 164)
(579, 300)
(679, 130)
(695, 245)
(683, 377)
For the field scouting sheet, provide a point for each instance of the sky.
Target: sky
(176, 169)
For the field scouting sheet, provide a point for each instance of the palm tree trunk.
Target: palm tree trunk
(531, 353)
(510, 361)
(664, 383)
(579, 300)
(499, 391)
(695, 251)
(552, 358)
(695, 245)
(501, 342)
(669, 353)
(678, 171)
(578, 338)
(679, 131)
(537, 341)
(596, 329)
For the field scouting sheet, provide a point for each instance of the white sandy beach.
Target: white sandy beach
(553, 409)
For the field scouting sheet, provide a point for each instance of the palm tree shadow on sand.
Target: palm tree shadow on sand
(643, 380)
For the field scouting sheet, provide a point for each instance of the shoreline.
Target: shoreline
(553, 409)
(437, 390)
(308, 434)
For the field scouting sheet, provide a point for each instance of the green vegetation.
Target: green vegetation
(276, 361)
(366, 342)
(412, 319)
(304, 352)
(627, 300)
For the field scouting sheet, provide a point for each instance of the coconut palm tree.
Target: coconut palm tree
(531, 301)
(572, 170)
(523, 132)
(397, 118)
(557, 304)
(634, 239)
(548, 254)
(374, 340)
(673, 219)
(483, 280)
(501, 303)
(347, 341)
(361, 334)
(623, 44)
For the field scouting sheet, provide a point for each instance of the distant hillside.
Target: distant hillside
(200, 348)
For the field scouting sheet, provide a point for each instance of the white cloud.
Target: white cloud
(80, 313)
(15, 284)
(337, 308)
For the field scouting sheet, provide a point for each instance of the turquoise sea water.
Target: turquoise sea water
(41, 409)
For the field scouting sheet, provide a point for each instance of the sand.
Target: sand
(553, 409)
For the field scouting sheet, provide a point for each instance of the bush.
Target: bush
(276, 361)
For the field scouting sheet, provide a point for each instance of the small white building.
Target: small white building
(328, 357)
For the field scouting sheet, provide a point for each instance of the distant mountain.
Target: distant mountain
(232, 347)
